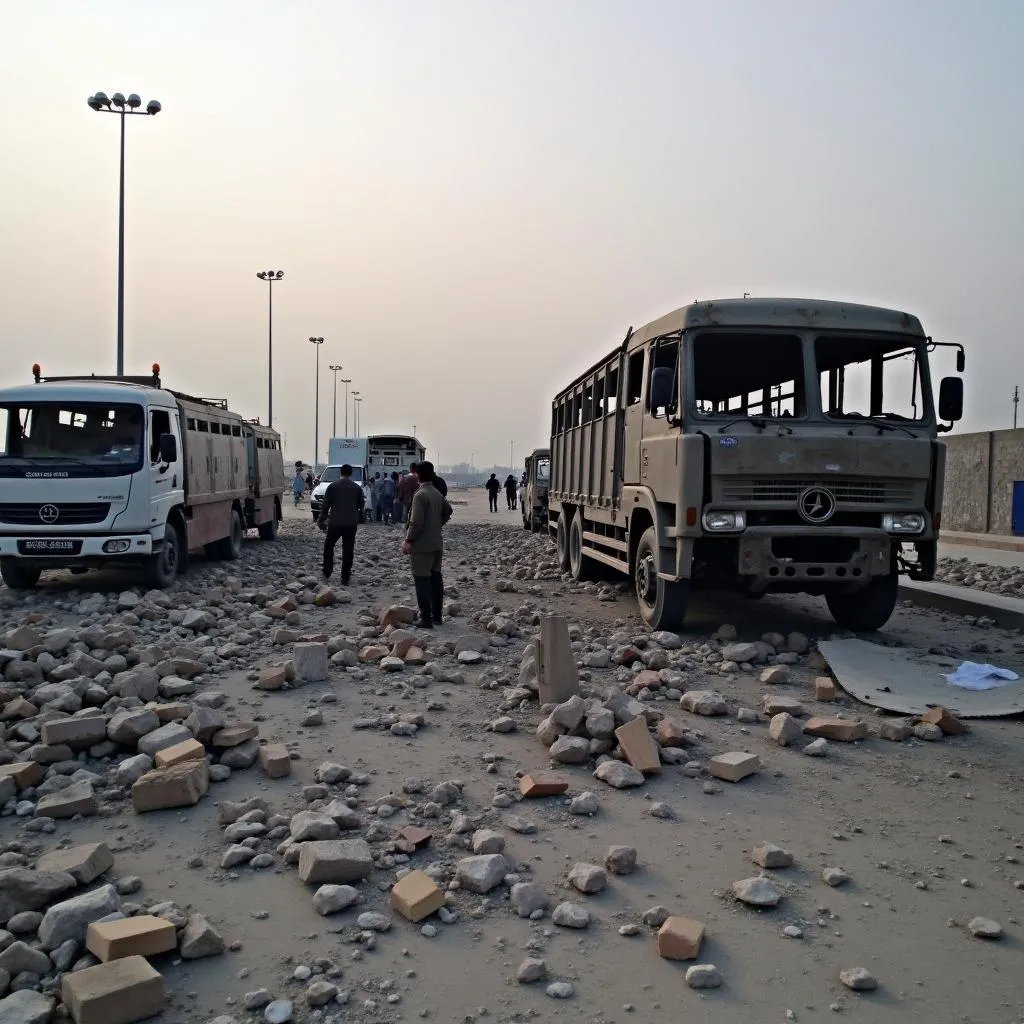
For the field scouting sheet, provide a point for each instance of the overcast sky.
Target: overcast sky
(472, 199)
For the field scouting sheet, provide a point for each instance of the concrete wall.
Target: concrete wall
(980, 473)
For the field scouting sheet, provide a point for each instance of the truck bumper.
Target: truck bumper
(768, 557)
(75, 549)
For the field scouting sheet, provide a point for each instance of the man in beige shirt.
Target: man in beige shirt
(428, 513)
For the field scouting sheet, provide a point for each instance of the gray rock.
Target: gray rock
(570, 915)
(330, 899)
(20, 958)
(320, 993)
(703, 976)
(26, 1007)
(483, 873)
(241, 757)
(278, 1012)
(200, 939)
(834, 877)
(621, 860)
(785, 729)
(979, 927)
(531, 970)
(817, 748)
(372, 922)
(71, 919)
(528, 898)
(25, 923)
(742, 654)
(128, 727)
(618, 774)
(131, 769)
(560, 990)
(257, 999)
(768, 855)
(704, 702)
(570, 750)
(312, 825)
(858, 979)
(22, 889)
(486, 840)
(757, 892)
(311, 662)
(585, 803)
(204, 723)
(166, 736)
(588, 878)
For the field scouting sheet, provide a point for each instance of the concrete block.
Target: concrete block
(840, 729)
(177, 712)
(79, 732)
(825, 689)
(275, 760)
(680, 938)
(182, 785)
(144, 935)
(83, 863)
(671, 734)
(557, 675)
(78, 798)
(311, 662)
(734, 766)
(638, 746)
(235, 735)
(24, 773)
(542, 784)
(335, 860)
(8, 789)
(120, 992)
(160, 739)
(272, 678)
(415, 896)
(187, 750)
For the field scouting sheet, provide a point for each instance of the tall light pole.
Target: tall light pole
(117, 104)
(316, 402)
(1016, 402)
(512, 456)
(334, 429)
(270, 276)
(357, 402)
(346, 381)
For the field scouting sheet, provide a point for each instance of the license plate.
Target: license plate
(49, 546)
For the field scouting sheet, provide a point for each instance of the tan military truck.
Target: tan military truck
(533, 501)
(758, 445)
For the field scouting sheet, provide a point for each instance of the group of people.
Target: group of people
(428, 511)
(302, 482)
(391, 496)
(494, 486)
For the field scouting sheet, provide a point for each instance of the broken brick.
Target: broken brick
(24, 773)
(680, 938)
(144, 935)
(187, 750)
(670, 734)
(119, 992)
(734, 766)
(415, 896)
(841, 730)
(945, 721)
(825, 689)
(542, 784)
(235, 735)
(83, 863)
(638, 746)
(275, 760)
(418, 837)
(182, 785)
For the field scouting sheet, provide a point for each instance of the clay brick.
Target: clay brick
(182, 785)
(275, 760)
(144, 935)
(120, 992)
(945, 721)
(419, 837)
(670, 734)
(416, 896)
(542, 784)
(78, 732)
(638, 746)
(840, 729)
(83, 863)
(187, 750)
(734, 766)
(168, 713)
(272, 678)
(680, 938)
(825, 689)
(235, 735)
(24, 773)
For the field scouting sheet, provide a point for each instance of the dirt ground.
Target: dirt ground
(875, 809)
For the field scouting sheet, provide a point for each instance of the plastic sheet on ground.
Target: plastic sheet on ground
(972, 676)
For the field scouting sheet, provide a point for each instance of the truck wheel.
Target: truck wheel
(580, 567)
(17, 576)
(268, 530)
(662, 603)
(162, 570)
(869, 608)
(562, 544)
(231, 546)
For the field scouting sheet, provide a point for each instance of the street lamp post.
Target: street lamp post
(270, 276)
(117, 104)
(357, 402)
(316, 402)
(334, 429)
(346, 381)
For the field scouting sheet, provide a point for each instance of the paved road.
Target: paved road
(987, 556)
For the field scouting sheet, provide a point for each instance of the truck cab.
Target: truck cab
(534, 502)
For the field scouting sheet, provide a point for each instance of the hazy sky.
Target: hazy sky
(473, 199)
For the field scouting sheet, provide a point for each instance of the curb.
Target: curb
(1007, 612)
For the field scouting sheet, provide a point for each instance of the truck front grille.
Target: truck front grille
(42, 513)
(783, 490)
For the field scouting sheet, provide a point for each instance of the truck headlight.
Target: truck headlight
(903, 522)
(724, 522)
(116, 547)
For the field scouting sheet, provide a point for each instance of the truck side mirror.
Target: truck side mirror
(662, 378)
(961, 362)
(168, 448)
(951, 399)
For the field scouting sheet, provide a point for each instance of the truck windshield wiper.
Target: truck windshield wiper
(754, 421)
(874, 421)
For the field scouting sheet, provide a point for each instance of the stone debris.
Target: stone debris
(618, 774)
(638, 746)
(858, 979)
(785, 729)
(840, 730)
(531, 970)
(770, 856)
(734, 766)
(621, 860)
(415, 896)
(483, 873)
(570, 915)
(144, 935)
(940, 717)
(984, 928)
(538, 784)
(588, 878)
(757, 892)
(703, 976)
(679, 938)
(834, 877)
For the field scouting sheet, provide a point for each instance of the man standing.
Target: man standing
(385, 498)
(404, 492)
(340, 514)
(493, 490)
(423, 544)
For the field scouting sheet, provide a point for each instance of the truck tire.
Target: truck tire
(581, 568)
(231, 545)
(662, 603)
(162, 570)
(268, 530)
(866, 609)
(562, 543)
(18, 576)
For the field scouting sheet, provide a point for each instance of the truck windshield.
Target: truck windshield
(77, 439)
(863, 377)
(743, 374)
(332, 473)
(543, 471)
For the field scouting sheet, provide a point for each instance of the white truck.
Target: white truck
(342, 451)
(120, 471)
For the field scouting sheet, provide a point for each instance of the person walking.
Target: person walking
(510, 491)
(429, 512)
(493, 490)
(404, 492)
(385, 498)
(298, 485)
(340, 515)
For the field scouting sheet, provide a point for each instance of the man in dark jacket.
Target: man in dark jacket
(340, 514)
(493, 486)
(424, 545)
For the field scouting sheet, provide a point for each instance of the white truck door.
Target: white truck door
(166, 480)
